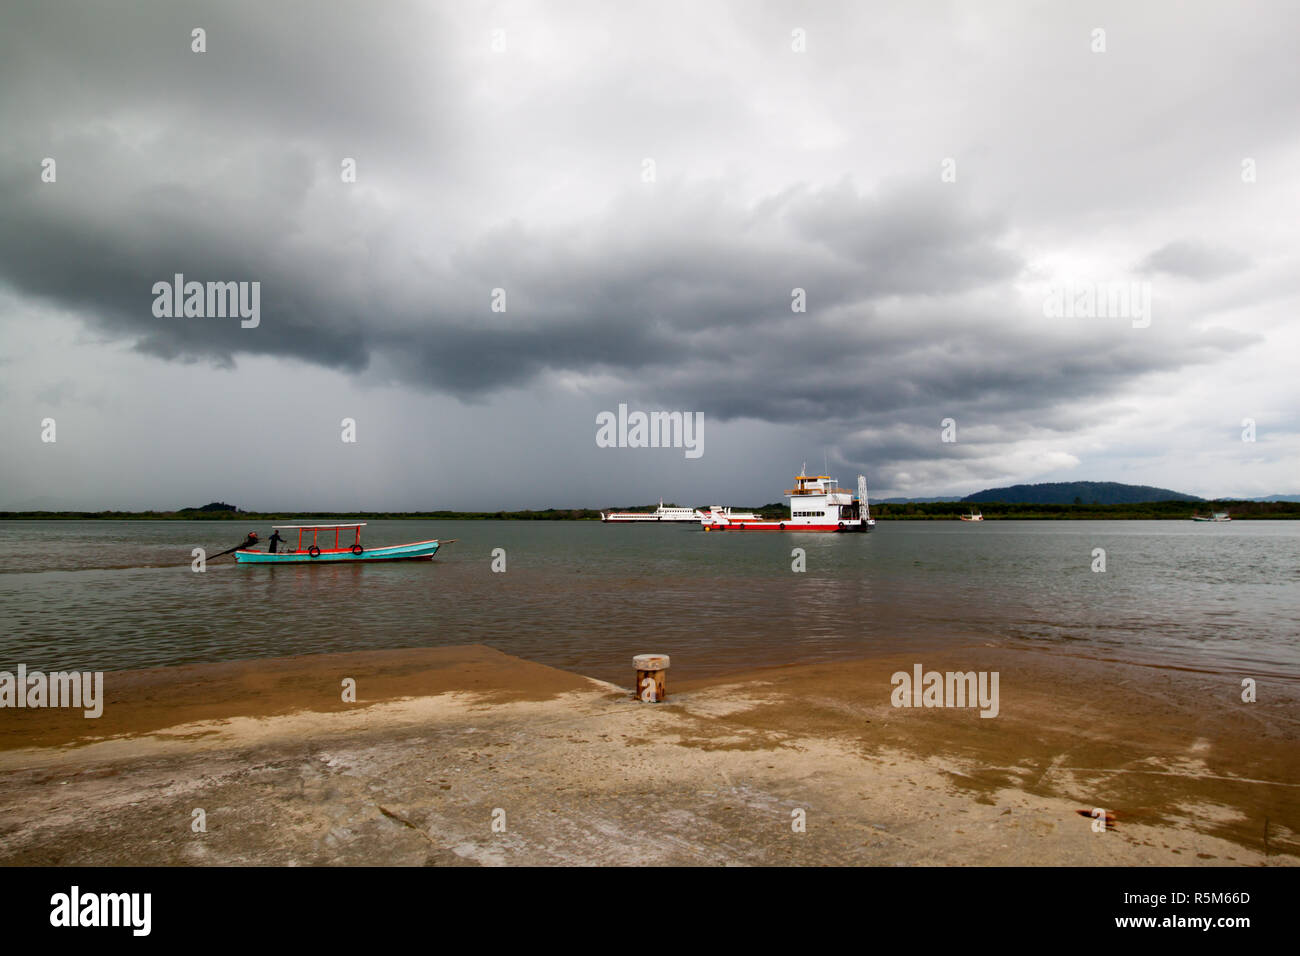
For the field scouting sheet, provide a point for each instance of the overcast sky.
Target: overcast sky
(928, 173)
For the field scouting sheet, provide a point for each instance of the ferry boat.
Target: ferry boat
(973, 516)
(661, 513)
(340, 551)
(817, 503)
(1216, 516)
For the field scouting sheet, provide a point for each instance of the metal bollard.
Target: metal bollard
(650, 685)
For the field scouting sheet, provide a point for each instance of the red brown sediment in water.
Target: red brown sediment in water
(139, 702)
(439, 739)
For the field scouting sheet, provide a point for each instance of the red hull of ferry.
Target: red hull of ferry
(780, 526)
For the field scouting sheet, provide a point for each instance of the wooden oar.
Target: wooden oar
(247, 543)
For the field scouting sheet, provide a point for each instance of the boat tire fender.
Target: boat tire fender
(357, 550)
(782, 526)
(314, 551)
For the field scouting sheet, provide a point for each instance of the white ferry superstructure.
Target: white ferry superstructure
(662, 513)
(719, 513)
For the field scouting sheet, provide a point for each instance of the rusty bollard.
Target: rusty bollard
(650, 670)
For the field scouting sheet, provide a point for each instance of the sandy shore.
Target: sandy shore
(468, 756)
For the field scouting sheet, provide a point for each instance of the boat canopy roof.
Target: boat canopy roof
(313, 527)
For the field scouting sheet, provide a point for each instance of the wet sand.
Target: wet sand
(464, 756)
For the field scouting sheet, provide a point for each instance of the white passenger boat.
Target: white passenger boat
(662, 513)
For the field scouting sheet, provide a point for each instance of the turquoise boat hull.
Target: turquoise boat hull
(416, 551)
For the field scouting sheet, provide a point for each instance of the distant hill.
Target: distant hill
(1274, 498)
(1078, 492)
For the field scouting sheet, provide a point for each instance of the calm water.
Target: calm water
(109, 595)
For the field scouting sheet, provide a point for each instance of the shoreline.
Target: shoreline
(440, 738)
(880, 513)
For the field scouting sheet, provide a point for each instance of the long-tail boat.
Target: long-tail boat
(319, 547)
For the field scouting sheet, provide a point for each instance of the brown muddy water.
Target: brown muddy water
(117, 595)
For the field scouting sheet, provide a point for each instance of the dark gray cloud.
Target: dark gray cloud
(1191, 259)
(684, 292)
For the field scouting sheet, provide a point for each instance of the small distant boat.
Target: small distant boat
(1215, 516)
(973, 516)
(661, 513)
(315, 553)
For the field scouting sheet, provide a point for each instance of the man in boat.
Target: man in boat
(274, 543)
